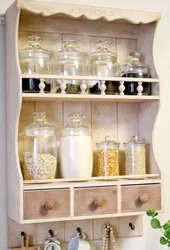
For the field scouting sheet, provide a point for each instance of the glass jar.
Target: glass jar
(134, 68)
(40, 149)
(104, 63)
(135, 157)
(70, 62)
(108, 157)
(34, 60)
(76, 153)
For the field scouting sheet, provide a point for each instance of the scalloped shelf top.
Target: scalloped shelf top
(82, 12)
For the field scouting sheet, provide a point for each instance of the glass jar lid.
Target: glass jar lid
(108, 143)
(40, 126)
(76, 126)
(102, 53)
(69, 52)
(135, 141)
(133, 64)
(33, 49)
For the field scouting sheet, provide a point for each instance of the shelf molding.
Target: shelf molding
(88, 12)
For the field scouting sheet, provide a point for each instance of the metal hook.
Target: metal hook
(79, 231)
(51, 232)
(131, 226)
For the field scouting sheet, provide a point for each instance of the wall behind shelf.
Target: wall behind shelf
(150, 240)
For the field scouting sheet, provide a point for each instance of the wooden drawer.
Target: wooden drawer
(46, 204)
(92, 201)
(141, 197)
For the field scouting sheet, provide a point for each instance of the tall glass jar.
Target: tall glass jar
(34, 60)
(134, 68)
(108, 157)
(104, 63)
(76, 156)
(70, 62)
(40, 149)
(135, 157)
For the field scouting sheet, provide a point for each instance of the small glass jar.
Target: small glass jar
(134, 68)
(108, 157)
(104, 63)
(34, 60)
(76, 153)
(40, 149)
(135, 157)
(70, 62)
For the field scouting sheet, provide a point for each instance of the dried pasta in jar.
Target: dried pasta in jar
(108, 158)
(135, 157)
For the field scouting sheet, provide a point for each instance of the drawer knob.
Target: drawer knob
(143, 198)
(98, 202)
(49, 205)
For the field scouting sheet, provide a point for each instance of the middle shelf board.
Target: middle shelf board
(87, 97)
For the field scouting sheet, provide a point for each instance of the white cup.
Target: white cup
(78, 244)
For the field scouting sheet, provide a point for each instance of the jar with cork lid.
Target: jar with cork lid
(108, 157)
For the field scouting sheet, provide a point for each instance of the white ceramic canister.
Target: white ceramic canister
(76, 153)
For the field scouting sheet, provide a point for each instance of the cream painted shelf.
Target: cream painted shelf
(120, 116)
(87, 97)
(92, 78)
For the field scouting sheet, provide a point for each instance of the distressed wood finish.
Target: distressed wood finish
(88, 12)
(37, 204)
(92, 201)
(132, 197)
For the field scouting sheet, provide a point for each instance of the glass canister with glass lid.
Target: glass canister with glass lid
(76, 154)
(70, 62)
(134, 68)
(135, 157)
(34, 60)
(40, 149)
(104, 64)
(108, 157)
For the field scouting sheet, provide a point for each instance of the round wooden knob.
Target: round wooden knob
(49, 205)
(143, 198)
(98, 202)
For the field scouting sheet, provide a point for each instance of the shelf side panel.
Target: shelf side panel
(13, 104)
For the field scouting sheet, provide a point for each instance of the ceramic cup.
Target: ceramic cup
(78, 244)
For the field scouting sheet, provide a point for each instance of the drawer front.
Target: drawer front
(46, 204)
(92, 201)
(141, 198)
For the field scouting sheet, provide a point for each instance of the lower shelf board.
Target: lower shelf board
(93, 181)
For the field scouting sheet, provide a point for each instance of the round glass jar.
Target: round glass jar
(135, 157)
(108, 157)
(70, 62)
(134, 68)
(104, 63)
(76, 153)
(34, 60)
(40, 149)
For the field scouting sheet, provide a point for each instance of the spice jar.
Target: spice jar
(40, 149)
(104, 63)
(108, 157)
(34, 60)
(134, 68)
(70, 62)
(76, 154)
(135, 157)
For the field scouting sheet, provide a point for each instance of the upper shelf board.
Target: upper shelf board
(92, 78)
(87, 97)
(82, 12)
